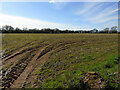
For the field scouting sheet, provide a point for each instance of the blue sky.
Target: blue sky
(62, 15)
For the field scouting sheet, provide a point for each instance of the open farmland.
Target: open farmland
(59, 60)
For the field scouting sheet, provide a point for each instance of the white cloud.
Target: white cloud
(95, 9)
(86, 8)
(106, 19)
(99, 15)
(103, 17)
(22, 22)
(51, 1)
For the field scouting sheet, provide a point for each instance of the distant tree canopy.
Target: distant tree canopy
(113, 29)
(10, 29)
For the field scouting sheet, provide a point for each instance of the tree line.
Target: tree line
(10, 29)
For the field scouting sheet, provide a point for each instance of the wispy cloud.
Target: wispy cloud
(115, 10)
(86, 7)
(97, 13)
(22, 22)
(103, 20)
(104, 16)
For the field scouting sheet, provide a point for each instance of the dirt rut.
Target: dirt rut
(15, 71)
(23, 49)
(22, 78)
(40, 62)
(20, 73)
(17, 49)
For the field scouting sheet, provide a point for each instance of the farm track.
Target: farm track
(20, 72)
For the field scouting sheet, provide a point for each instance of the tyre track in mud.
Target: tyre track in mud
(20, 82)
(11, 62)
(15, 71)
(21, 51)
(18, 69)
(16, 58)
(17, 78)
(22, 78)
(32, 76)
(12, 51)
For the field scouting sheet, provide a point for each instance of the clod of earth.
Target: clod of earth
(93, 80)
